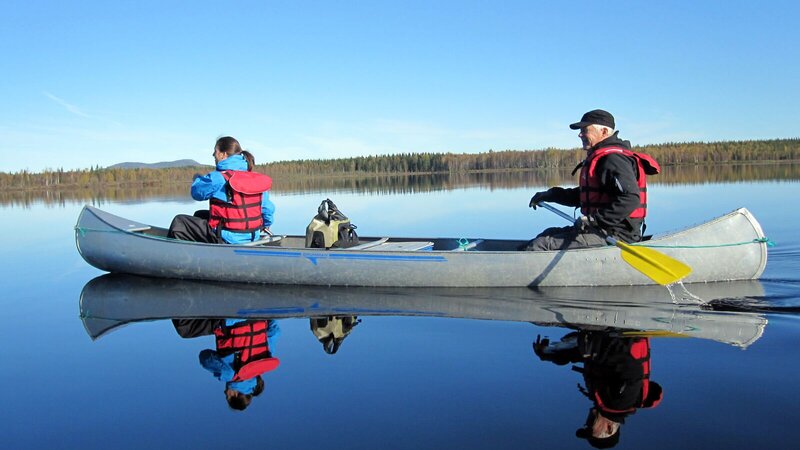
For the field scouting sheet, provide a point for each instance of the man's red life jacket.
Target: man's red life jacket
(248, 342)
(593, 197)
(633, 366)
(242, 212)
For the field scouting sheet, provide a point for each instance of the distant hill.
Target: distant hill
(158, 165)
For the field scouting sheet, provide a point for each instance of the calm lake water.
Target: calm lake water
(421, 368)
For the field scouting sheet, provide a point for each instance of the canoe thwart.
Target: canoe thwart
(464, 245)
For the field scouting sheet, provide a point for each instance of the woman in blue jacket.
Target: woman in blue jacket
(243, 352)
(239, 205)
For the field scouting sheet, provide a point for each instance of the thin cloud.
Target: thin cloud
(77, 111)
(69, 107)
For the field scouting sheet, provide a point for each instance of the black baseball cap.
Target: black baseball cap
(595, 117)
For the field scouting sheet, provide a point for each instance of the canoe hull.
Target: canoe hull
(112, 244)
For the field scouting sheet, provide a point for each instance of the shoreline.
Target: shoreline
(168, 183)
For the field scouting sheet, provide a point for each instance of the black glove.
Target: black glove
(585, 223)
(543, 196)
(560, 353)
(540, 346)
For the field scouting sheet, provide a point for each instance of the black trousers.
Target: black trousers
(563, 238)
(191, 328)
(193, 228)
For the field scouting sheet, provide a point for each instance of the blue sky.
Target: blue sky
(97, 83)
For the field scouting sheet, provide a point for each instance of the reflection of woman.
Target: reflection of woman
(241, 356)
(616, 372)
(331, 331)
(238, 199)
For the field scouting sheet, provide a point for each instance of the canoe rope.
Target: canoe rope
(766, 240)
(84, 230)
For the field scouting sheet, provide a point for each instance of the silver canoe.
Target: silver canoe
(114, 300)
(730, 247)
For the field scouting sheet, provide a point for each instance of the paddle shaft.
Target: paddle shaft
(557, 211)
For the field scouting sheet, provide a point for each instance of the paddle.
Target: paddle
(655, 265)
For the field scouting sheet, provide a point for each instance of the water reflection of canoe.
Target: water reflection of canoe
(110, 301)
(114, 244)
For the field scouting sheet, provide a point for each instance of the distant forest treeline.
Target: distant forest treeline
(403, 184)
(670, 154)
(306, 172)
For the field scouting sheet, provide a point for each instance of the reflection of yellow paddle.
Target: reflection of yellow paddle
(654, 333)
(655, 265)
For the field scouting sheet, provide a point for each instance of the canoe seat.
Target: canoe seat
(264, 241)
(401, 247)
(367, 245)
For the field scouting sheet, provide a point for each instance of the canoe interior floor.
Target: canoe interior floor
(391, 244)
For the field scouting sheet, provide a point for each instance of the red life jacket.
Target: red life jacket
(637, 367)
(593, 197)
(248, 342)
(242, 212)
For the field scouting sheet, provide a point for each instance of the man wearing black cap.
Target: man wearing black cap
(612, 191)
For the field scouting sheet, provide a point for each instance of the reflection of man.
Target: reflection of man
(331, 330)
(616, 372)
(241, 356)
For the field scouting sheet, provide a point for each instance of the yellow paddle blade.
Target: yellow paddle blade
(655, 265)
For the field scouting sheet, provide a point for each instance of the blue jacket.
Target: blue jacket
(213, 185)
(222, 366)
